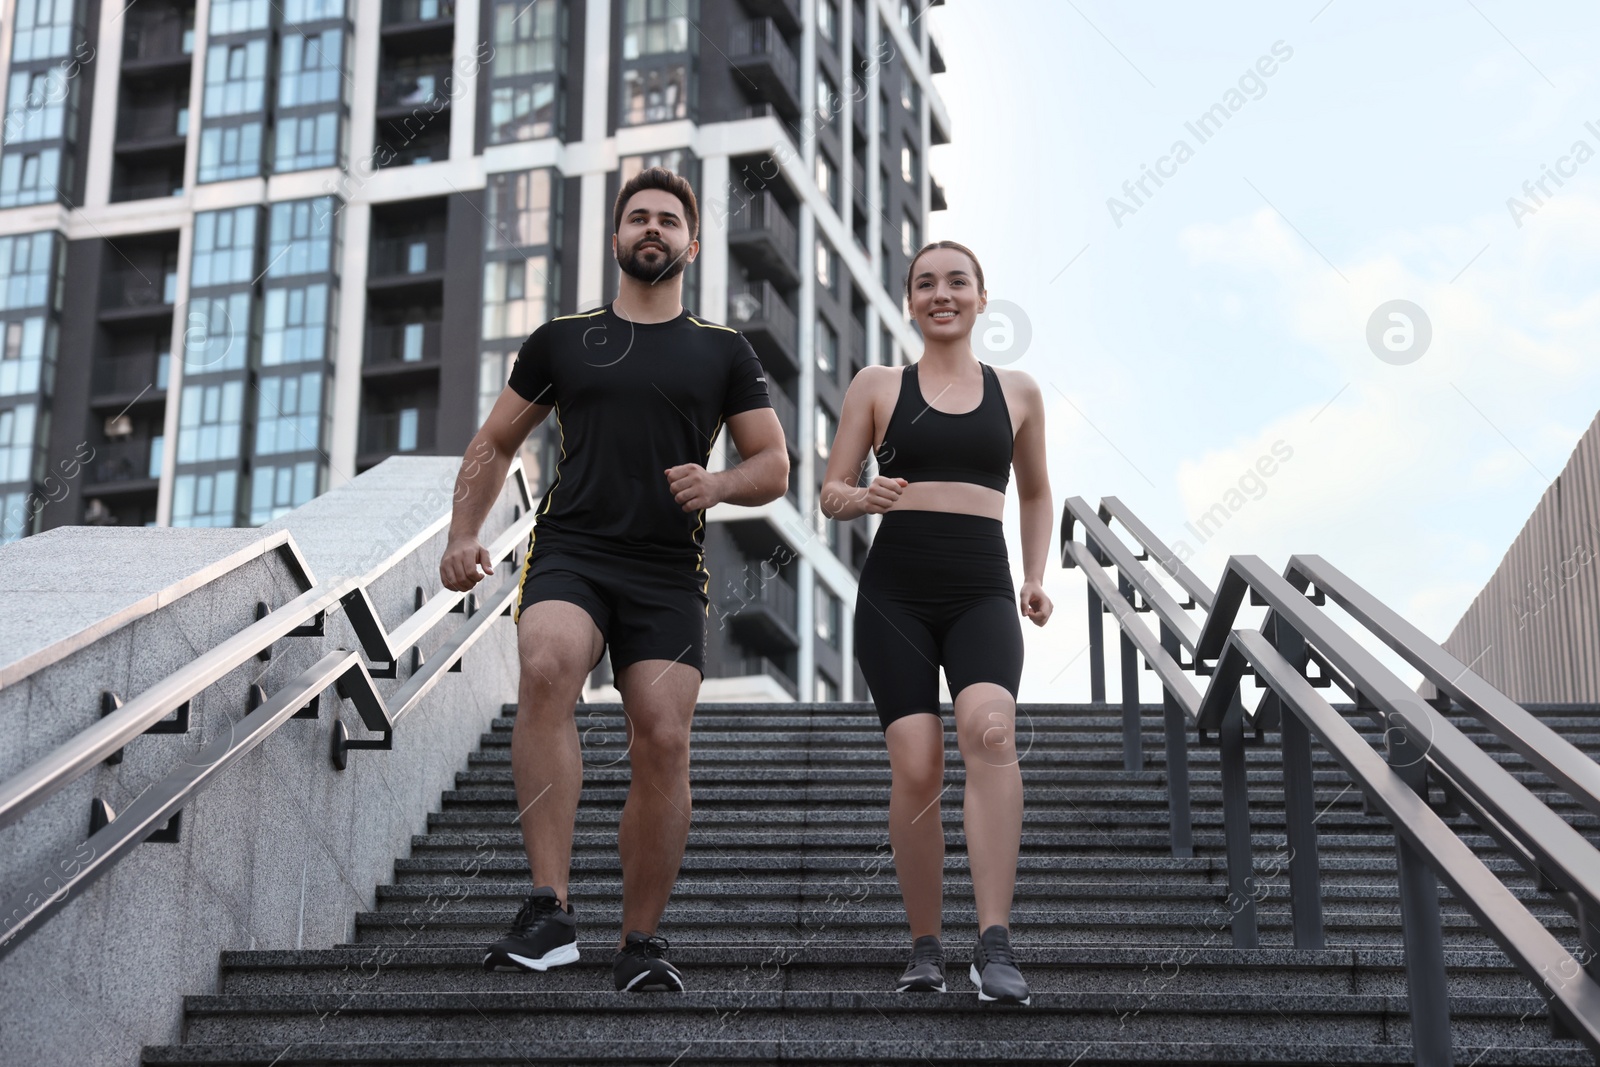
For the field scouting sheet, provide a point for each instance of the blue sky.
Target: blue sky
(1228, 313)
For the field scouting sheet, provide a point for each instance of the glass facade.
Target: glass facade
(521, 273)
(48, 49)
(658, 61)
(30, 303)
(525, 76)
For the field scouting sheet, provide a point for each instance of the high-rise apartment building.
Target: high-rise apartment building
(249, 248)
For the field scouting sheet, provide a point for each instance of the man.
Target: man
(641, 389)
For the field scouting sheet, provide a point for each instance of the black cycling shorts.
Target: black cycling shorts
(935, 590)
(644, 609)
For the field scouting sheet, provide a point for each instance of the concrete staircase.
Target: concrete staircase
(788, 927)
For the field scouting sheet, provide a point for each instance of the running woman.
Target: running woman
(936, 590)
(641, 389)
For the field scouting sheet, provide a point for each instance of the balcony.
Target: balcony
(759, 607)
(757, 51)
(749, 665)
(159, 45)
(131, 464)
(410, 89)
(116, 380)
(152, 127)
(786, 13)
(409, 430)
(131, 295)
(788, 418)
(403, 349)
(774, 332)
(858, 345)
(419, 25)
(406, 261)
(936, 197)
(765, 239)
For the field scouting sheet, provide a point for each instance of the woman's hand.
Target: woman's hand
(1035, 605)
(882, 493)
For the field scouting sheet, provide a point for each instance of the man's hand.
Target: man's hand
(693, 487)
(1035, 605)
(458, 570)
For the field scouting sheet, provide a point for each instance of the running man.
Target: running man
(640, 389)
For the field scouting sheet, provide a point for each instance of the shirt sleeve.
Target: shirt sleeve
(747, 381)
(530, 374)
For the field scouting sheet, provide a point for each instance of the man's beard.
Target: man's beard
(633, 265)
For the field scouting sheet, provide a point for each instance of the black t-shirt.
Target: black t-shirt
(631, 400)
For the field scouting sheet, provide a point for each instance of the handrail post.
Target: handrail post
(1299, 800)
(1422, 927)
(1177, 735)
(1236, 826)
(1097, 649)
(1132, 746)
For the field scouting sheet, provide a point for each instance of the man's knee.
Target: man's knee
(660, 740)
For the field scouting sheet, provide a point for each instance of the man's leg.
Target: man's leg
(658, 698)
(557, 643)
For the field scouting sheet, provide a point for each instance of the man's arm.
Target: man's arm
(483, 472)
(761, 475)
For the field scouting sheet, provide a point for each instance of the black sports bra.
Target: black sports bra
(924, 444)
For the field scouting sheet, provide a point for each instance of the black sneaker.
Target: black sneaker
(994, 971)
(641, 966)
(925, 972)
(543, 935)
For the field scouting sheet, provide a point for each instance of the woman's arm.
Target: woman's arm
(842, 498)
(1033, 492)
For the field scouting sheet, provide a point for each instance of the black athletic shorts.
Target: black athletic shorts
(644, 609)
(935, 591)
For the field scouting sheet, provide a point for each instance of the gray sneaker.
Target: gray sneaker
(925, 972)
(994, 971)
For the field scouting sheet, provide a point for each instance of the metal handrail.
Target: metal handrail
(156, 805)
(85, 750)
(1426, 842)
(1421, 744)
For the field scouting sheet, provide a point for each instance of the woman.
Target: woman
(936, 590)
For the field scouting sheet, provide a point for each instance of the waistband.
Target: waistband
(941, 522)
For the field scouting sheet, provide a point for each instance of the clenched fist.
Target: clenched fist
(458, 570)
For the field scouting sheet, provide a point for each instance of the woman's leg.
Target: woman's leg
(992, 808)
(916, 831)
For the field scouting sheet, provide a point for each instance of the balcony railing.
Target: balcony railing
(151, 288)
(766, 236)
(760, 313)
(122, 375)
(421, 253)
(132, 460)
(760, 607)
(418, 87)
(400, 12)
(162, 122)
(156, 39)
(408, 430)
(403, 343)
(758, 52)
(748, 665)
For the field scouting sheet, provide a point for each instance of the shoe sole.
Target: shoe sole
(559, 956)
(977, 980)
(914, 987)
(656, 986)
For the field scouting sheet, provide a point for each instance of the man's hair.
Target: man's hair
(953, 245)
(665, 180)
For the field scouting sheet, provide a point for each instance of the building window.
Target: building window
(209, 421)
(829, 104)
(296, 327)
(300, 240)
(42, 29)
(827, 348)
(828, 180)
(204, 499)
(909, 237)
(824, 430)
(519, 210)
(306, 141)
(38, 105)
(289, 413)
(237, 16)
(277, 489)
(311, 69)
(908, 166)
(16, 443)
(654, 27)
(230, 152)
(523, 96)
(655, 94)
(828, 20)
(827, 273)
(829, 616)
(216, 334)
(22, 356)
(30, 178)
(514, 296)
(236, 78)
(826, 692)
(910, 91)
(224, 247)
(25, 263)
